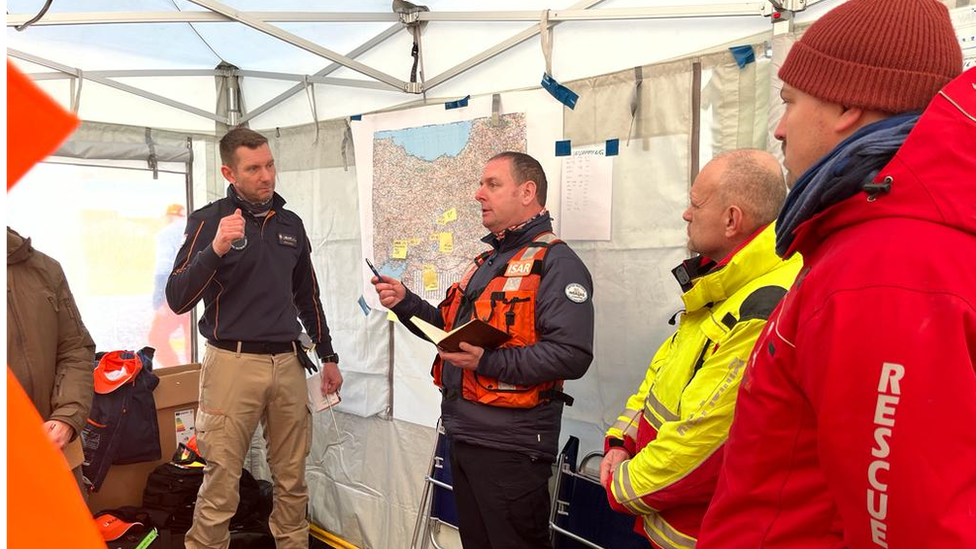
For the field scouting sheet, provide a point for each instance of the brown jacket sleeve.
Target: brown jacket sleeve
(73, 383)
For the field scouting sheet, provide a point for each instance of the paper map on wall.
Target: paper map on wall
(426, 222)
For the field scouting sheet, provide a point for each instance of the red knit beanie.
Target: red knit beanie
(886, 55)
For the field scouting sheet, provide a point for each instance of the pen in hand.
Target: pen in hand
(372, 268)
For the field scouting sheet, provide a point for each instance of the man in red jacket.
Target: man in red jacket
(855, 424)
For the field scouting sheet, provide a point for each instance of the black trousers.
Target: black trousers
(502, 498)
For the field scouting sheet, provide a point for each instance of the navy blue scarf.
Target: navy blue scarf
(842, 173)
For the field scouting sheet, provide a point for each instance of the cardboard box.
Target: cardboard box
(176, 394)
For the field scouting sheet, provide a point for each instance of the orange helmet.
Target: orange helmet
(176, 209)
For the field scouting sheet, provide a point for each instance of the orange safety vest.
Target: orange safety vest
(507, 303)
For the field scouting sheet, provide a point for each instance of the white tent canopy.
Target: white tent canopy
(170, 48)
(156, 82)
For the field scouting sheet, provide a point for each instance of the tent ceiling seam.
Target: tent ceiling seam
(361, 49)
(298, 41)
(200, 36)
(499, 48)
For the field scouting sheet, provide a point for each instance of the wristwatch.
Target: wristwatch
(330, 358)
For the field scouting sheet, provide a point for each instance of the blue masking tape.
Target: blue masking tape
(562, 94)
(356, 117)
(743, 55)
(364, 306)
(563, 148)
(613, 147)
(463, 102)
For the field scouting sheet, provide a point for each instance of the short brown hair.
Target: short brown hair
(236, 138)
(525, 168)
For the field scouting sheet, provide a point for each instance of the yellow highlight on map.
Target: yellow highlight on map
(400, 246)
(447, 243)
(430, 278)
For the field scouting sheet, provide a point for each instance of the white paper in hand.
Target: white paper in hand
(319, 401)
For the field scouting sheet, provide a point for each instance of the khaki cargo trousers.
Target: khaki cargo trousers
(237, 390)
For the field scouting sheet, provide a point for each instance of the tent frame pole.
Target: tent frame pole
(298, 41)
(363, 48)
(24, 56)
(574, 13)
(781, 11)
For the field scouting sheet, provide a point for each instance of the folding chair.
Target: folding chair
(437, 509)
(581, 518)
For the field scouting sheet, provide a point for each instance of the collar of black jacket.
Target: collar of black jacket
(276, 202)
(520, 237)
(691, 269)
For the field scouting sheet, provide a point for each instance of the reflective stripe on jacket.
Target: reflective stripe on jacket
(564, 327)
(508, 303)
(676, 425)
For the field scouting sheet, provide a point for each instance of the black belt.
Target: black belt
(254, 347)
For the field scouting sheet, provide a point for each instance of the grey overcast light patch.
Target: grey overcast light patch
(576, 293)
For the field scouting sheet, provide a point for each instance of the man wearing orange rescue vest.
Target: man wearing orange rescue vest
(502, 408)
